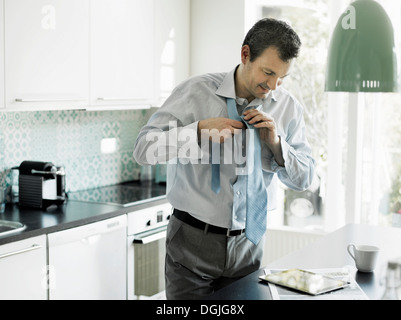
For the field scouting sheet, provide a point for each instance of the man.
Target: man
(206, 244)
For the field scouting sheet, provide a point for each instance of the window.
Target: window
(310, 20)
(331, 120)
(381, 170)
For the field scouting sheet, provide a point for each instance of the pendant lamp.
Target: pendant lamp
(362, 54)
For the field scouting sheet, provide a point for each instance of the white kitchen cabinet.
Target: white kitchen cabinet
(46, 54)
(172, 34)
(122, 53)
(89, 262)
(218, 29)
(23, 269)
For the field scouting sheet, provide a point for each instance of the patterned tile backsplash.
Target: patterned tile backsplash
(72, 139)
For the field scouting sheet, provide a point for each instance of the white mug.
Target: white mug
(365, 257)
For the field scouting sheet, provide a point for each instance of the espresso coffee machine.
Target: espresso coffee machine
(41, 184)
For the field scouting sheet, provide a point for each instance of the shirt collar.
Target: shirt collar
(227, 89)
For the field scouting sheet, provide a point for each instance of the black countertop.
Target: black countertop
(72, 214)
(327, 252)
(125, 194)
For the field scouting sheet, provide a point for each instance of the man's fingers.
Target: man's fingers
(220, 129)
(237, 124)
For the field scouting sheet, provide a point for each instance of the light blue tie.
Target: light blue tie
(256, 202)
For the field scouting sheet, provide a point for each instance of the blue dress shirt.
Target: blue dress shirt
(171, 136)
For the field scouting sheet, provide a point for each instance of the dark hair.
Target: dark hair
(273, 33)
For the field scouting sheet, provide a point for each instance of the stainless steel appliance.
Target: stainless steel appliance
(148, 216)
(41, 184)
(146, 251)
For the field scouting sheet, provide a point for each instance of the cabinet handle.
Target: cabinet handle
(34, 247)
(91, 239)
(49, 100)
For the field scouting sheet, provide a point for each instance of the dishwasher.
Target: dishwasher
(148, 214)
(89, 262)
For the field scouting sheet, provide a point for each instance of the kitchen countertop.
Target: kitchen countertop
(71, 214)
(125, 194)
(327, 252)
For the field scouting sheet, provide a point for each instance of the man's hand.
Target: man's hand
(219, 129)
(267, 131)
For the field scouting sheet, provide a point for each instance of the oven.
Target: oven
(146, 245)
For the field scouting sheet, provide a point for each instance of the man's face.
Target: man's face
(264, 74)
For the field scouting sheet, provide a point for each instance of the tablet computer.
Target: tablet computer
(305, 281)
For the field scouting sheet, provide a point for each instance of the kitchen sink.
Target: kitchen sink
(10, 227)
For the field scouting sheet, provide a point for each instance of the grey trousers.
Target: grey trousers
(198, 263)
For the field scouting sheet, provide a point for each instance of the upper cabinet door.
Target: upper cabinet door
(46, 53)
(122, 53)
(172, 29)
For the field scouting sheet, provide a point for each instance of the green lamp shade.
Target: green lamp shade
(362, 54)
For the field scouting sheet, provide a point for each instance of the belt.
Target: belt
(187, 218)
